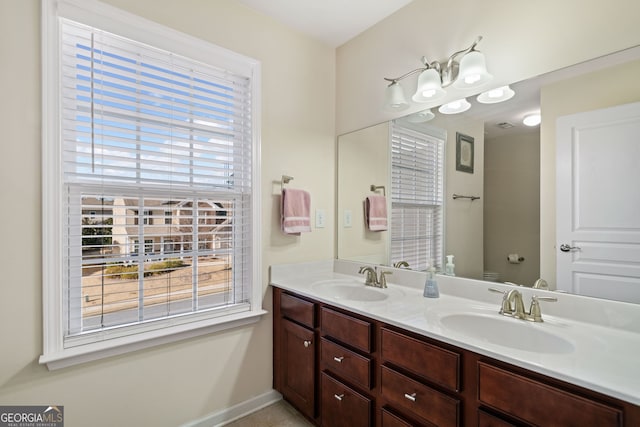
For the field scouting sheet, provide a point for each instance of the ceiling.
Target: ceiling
(333, 22)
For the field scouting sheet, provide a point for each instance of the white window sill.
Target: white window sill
(86, 353)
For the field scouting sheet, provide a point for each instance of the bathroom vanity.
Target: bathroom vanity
(350, 355)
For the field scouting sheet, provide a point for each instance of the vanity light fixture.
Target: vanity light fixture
(455, 107)
(464, 69)
(421, 116)
(496, 95)
(532, 119)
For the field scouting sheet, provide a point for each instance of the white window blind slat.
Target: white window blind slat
(157, 170)
(417, 186)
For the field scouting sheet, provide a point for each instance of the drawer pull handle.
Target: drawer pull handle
(307, 343)
(411, 397)
(338, 359)
(338, 396)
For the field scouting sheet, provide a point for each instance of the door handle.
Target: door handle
(566, 248)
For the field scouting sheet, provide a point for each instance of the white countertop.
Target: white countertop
(605, 335)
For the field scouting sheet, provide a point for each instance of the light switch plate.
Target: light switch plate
(348, 218)
(320, 218)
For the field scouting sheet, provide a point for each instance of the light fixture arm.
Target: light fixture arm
(462, 52)
(448, 73)
(404, 76)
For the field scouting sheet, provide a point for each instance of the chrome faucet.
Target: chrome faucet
(515, 303)
(371, 278)
(400, 264)
(513, 306)
(541, 284)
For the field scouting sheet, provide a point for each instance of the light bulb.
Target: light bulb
(532, 119)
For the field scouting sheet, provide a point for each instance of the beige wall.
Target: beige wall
(512, 206)
(176, 383)
(601, 89)
(463, 217)
(521, 40)
(363, 160)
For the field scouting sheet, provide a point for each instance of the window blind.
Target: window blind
(157, 170)
(417, 187)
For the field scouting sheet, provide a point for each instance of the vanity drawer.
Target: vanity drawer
(420, 358)
(298, 310)
(346, 329)
(416, 398)
(487, 420)
(342, 406)
(539, 403)
(392, 420)
(346, 363)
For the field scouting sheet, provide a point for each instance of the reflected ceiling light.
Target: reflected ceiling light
(494, 96)
(421, 116)
(464, 69)
(455, 107)
(532, 119)
(394, 98)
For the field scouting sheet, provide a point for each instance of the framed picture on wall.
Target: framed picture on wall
(464, 153)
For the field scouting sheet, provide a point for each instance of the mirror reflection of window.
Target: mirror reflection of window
(417, 201)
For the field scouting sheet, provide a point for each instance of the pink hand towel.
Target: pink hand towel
(296, 208)
(375, 212)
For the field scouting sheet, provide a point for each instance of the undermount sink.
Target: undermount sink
(507, 332)
(353, 290)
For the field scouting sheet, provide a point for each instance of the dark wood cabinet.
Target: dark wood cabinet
(343, 369)
(298, 366)
(538, 403)
(342, 406)
(295, 344)
(419, 400)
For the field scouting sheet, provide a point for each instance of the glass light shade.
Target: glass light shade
(532, 119)
(472, 71)
(394, 98)
(421, 116)
(455, 107)
(494, 96)
(429, 86)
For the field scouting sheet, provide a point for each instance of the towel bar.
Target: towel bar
(285, 180)
(378, 187)
(457, 196)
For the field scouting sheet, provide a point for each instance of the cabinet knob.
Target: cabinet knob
(411, 397)
(338, 359)
(338, 396)
(307, 343)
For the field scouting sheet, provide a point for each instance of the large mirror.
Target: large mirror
(496, 235)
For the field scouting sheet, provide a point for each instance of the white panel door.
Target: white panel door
(598, 203)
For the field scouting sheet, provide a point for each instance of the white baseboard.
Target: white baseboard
(240, 410)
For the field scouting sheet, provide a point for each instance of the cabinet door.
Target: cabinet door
(298, 367)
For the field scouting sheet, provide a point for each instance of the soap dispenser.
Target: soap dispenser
(449, 268)
(431, 286)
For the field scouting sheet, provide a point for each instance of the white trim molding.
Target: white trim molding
(56, 352)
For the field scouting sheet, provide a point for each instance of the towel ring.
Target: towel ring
(285, 180)
(378, 187)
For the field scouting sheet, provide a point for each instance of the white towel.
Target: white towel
(296, 208)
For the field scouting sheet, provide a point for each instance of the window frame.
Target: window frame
(111, 19)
